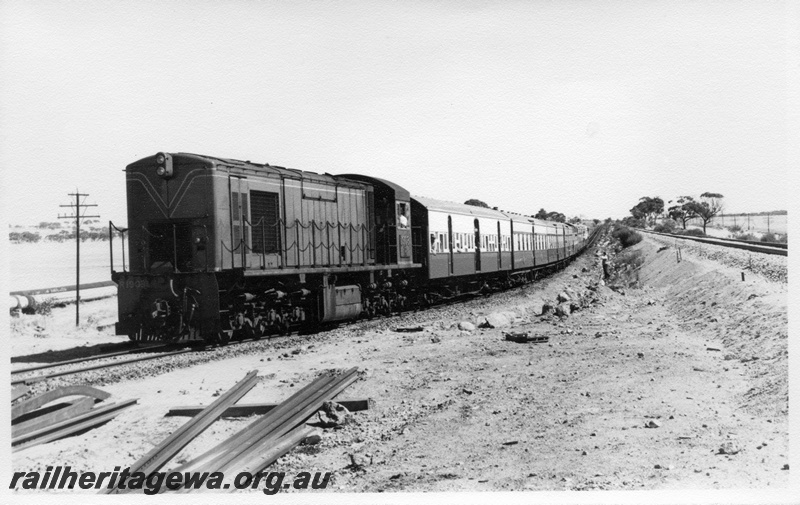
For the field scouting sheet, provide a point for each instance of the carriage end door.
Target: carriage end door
(477, 246)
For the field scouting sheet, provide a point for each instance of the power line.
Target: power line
(79, 210)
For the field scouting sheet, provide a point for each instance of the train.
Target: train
(221, 249)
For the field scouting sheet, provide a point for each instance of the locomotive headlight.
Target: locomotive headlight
(164, 165)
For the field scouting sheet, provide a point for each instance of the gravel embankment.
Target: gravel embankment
(771, 267)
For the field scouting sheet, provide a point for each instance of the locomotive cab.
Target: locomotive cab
(393, 225)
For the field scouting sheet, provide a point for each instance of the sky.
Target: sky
(571, 106)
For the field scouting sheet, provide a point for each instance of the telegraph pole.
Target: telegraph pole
(79, 210)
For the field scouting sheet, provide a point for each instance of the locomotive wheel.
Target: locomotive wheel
(247, 331)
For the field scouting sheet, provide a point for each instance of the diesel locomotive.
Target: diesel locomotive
(221, 248)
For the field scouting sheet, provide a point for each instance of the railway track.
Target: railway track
(73, 371)
(747, 245)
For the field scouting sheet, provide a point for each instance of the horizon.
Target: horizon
(572, 107)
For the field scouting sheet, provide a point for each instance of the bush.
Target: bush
(666, 226)
(734, 228)
(626, 267)
(25, 236)
(746, 236)
(626, 236)
(43, 308)
(633, 222)
(692, 232)
(775, 238)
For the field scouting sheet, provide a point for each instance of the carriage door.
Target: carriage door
(240, 247)
(450, 241)
(499, 248)
(477, 246)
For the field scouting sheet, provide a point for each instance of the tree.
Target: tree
(476, 203)
(648, 209)
(682, 212)
(550, 216)
(575, 220)
(710, 205)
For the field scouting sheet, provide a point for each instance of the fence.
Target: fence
(769, 223)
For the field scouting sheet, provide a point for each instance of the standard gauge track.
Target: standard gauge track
(747, 245)
(39, 378)
(83, 360)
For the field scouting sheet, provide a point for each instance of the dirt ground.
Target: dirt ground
(679, 383)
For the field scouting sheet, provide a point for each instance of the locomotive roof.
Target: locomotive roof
(461, 208)
(289, 173)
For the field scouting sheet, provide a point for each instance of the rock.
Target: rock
(435, 339)
(498, 319)
(652, 423)
(466, 326)
(546, 308)
(574, 307)
(729, 447)
(651, 302)
(332, 414)
(313, 439)
(563, 297)
(563, 310)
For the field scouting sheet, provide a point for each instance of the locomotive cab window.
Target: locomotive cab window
(402, 215)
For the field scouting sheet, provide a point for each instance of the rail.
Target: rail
(777, 249)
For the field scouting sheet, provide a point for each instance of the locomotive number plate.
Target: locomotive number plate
(137, 283)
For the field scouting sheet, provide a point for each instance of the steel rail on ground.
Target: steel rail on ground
(249, 445)
(207, 458)
(256, 457)
(70, 426)
(169, 447)
(77, 407)
(54, 394)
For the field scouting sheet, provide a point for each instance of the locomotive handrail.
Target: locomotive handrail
(144, 228)
(298, 246)
(122, 232)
